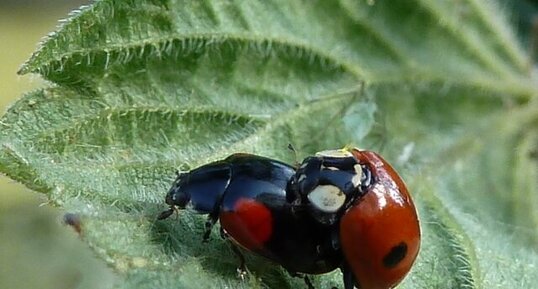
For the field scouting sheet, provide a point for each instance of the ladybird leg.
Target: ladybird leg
(211, 220)
(241, 269)
(308, 282)
(223, 234)
(209, 223)
(349, 279)
(304, 277)
(296, 163)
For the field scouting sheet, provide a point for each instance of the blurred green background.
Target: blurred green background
(36, 249)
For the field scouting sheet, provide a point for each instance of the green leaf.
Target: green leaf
(139, 89)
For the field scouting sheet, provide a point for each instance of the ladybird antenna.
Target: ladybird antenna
(291, 148)
(165, 214)
(176, 212)
(294, 151)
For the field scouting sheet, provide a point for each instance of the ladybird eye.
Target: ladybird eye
(395, 256)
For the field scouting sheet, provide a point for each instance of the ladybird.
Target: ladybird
(248, 195)
(378, 226)
(344, 209)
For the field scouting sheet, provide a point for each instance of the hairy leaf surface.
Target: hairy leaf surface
(139, 89)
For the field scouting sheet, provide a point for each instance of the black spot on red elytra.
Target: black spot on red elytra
(395, 256)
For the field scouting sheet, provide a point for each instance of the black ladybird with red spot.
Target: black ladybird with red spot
(344, 209)
(247, 194)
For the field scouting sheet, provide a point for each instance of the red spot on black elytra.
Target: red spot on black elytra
(250, 223)
(256, 217)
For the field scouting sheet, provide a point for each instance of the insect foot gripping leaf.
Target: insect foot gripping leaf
(139, 89)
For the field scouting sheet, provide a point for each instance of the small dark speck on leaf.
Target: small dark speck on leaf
(73, 220)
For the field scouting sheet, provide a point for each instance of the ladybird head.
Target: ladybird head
(177, 197)
(328, 182)
(199, 189)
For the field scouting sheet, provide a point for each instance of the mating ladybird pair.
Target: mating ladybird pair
(344, 209)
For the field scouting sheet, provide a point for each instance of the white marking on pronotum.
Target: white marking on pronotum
(327, 198)
(334, 153)
(330, 168)
(356, 180)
